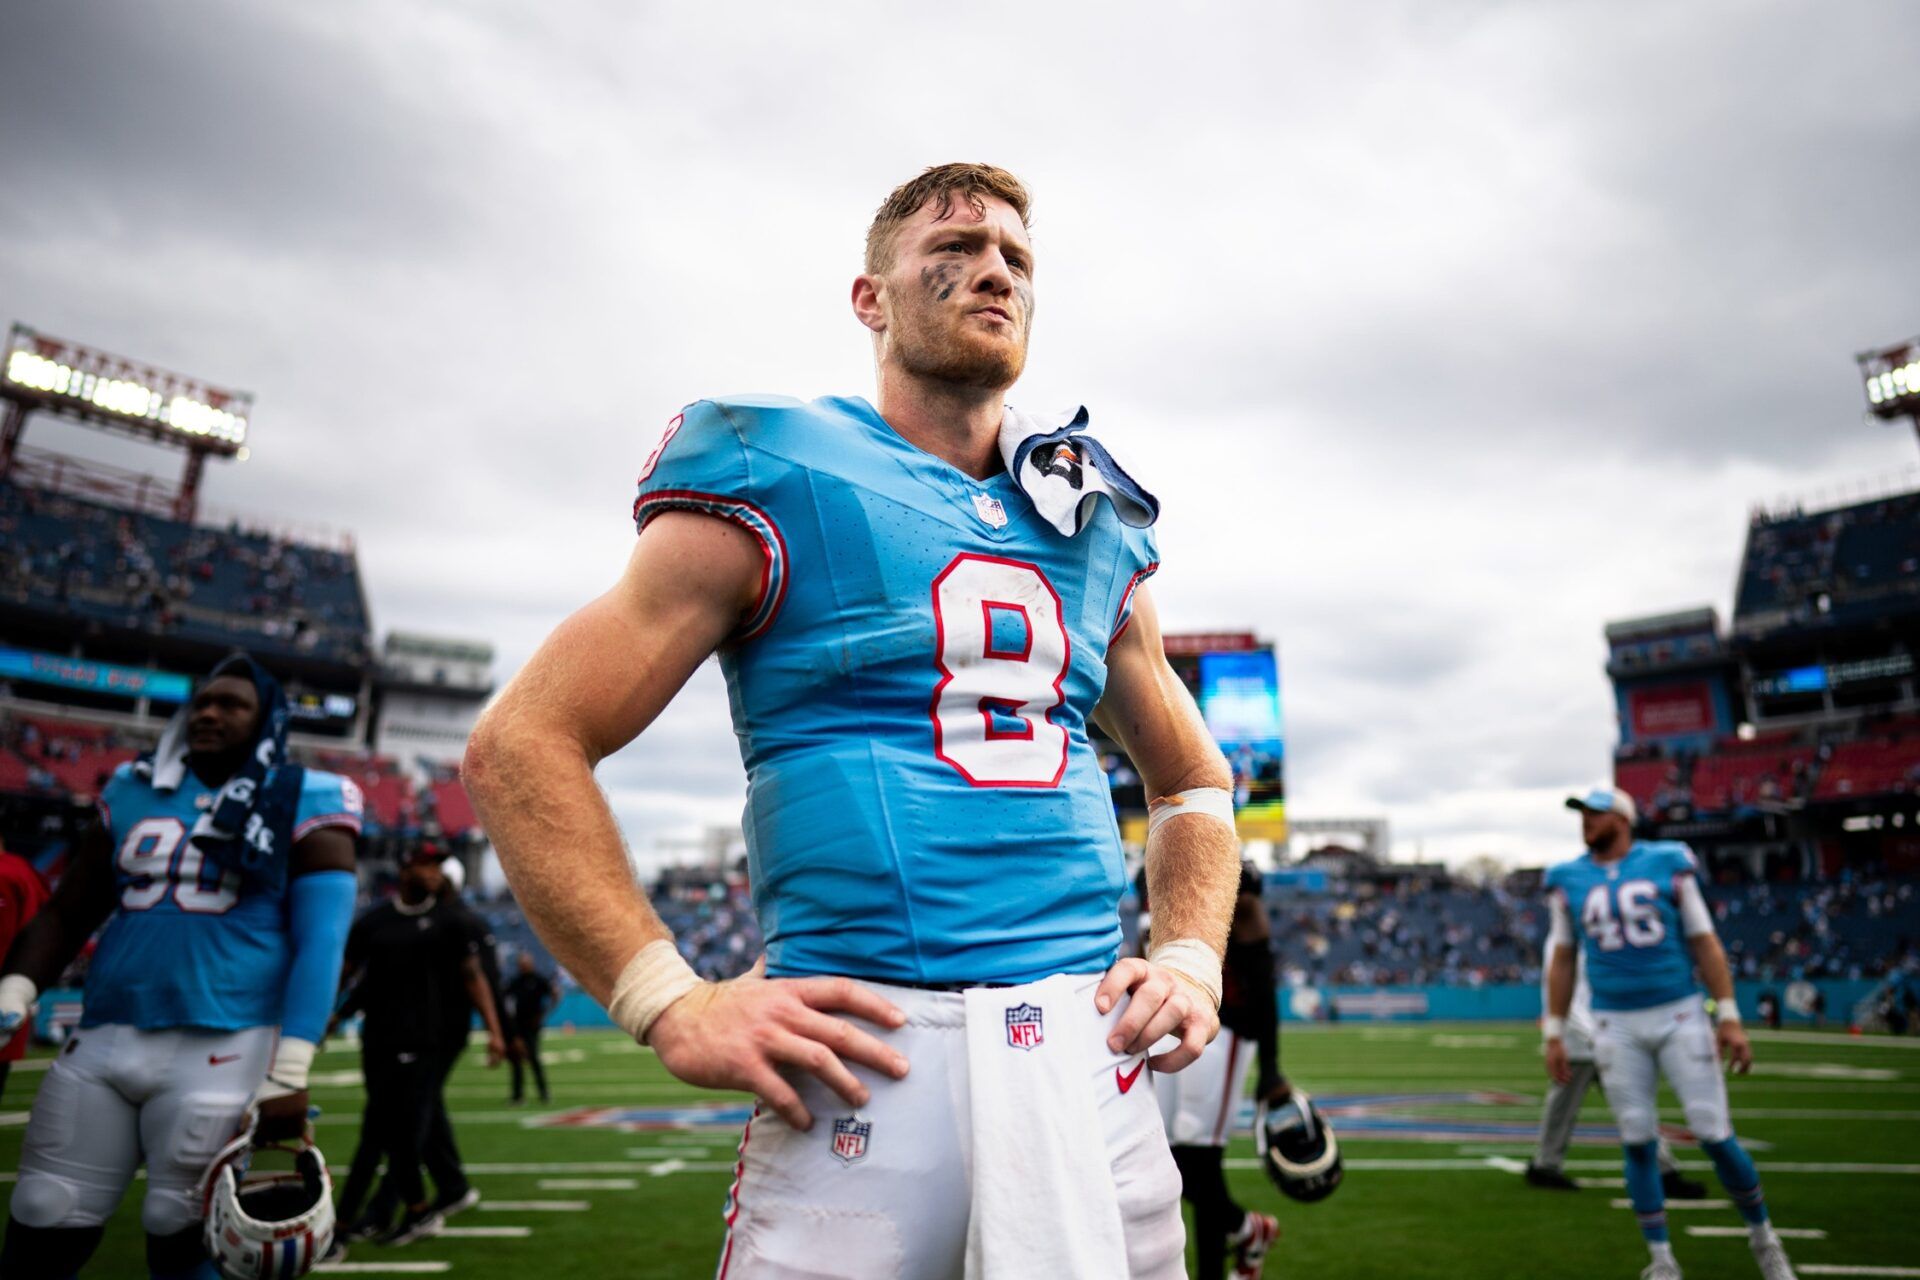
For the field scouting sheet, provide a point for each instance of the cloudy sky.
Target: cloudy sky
(1445, 331)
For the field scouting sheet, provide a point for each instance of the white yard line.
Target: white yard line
(1681, 1204)
(483, 1233)
(534, 1206)
(587, 1184)
(1505, 1164)
(666, 1167)
(1831, 1269)
(384, 1268)
(1602, 1184)
(1762, 1036)
(1732, 1233)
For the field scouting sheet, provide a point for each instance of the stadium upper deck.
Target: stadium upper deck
(1790, 742)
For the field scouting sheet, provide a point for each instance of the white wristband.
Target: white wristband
(17, 994)
(1209, 802)
(1726, 1011)
(1193, 960)
(1552, 1028)
(292, 1060)
(655, 978)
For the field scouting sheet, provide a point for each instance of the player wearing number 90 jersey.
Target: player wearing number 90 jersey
(910, 695)
(188, 948)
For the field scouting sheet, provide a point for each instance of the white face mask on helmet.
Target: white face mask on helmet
(267, 1226)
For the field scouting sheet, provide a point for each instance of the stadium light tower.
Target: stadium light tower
(123, 396)
(1892, 376)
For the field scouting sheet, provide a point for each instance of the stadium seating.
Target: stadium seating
(147, 573)
(452, 809)
(1645, 780)
(1849, 556)
(60, 756)
(1873, 766)
(1747, 775)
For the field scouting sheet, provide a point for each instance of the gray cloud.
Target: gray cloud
(1445, 331)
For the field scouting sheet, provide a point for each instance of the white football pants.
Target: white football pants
(1198, 1105)
(117, 1095)
(1634, 1048)
(885, 1193)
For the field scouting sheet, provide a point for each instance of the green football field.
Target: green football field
(1435, 1120)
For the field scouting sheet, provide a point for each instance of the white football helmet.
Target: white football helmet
(267, 1226)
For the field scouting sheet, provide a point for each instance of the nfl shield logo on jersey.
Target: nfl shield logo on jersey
(850, 1138)
(991, 510)
(1024, 1028)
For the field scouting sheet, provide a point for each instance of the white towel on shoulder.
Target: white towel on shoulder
(1044, 1201)
(1066, 473)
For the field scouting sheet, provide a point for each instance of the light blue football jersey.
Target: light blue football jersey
(1626, 915)
(911, 697)
(188, 945)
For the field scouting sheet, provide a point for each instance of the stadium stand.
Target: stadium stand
(145, 573)
(1833, 564)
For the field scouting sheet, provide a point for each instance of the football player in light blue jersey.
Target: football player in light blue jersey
(225, 878)
(1635, 910)
(914, 637)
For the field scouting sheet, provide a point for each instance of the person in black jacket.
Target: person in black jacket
(529, 996)
(414, 965)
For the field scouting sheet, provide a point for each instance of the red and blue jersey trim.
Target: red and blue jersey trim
(1124, 614)
(773, 574)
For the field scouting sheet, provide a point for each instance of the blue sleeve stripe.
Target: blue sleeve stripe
(773, 574)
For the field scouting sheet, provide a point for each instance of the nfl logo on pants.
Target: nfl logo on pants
(1024, 1030)
(850, 1138)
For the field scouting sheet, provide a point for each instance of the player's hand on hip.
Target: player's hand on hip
(496, 1051)
(1734, 1047)
(1161, 1003)
(747, 1032)
(1557, 1069)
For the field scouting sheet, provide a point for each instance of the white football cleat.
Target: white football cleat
(1772, 1257)
(1661, 1269)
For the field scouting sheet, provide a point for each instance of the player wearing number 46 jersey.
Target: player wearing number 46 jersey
(918, 603)
(225, 878)
(1634, 909)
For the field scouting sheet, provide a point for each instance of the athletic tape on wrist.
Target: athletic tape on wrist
(1726, 1011)
(292, 1060)
(17, 994)
(1208, 802)
(652, 980)
(1552, 1028)
(1193, 960)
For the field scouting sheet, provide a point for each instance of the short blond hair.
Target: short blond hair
(940, 183)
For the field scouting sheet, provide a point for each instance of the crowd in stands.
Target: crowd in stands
(1415, 931)
(48, 756)
(1781, 770)
(1814, 566)
(166, 577)
(60, 757)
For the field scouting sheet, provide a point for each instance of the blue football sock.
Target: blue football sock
(1643, 1186)
(1739, 1177)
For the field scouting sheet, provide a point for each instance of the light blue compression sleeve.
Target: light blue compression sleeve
(319, 912)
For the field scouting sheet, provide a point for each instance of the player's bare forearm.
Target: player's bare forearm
(1193, 867)
(596, 683)
(1711, 959)
(1560, 975)
(1193, 874)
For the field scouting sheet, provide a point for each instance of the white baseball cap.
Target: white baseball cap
(1605, 799)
